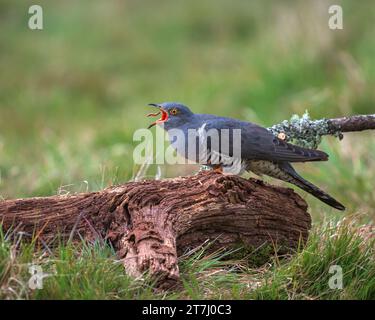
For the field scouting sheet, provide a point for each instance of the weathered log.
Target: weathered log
(151, 223)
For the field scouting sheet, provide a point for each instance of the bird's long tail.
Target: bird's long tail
(294, 178)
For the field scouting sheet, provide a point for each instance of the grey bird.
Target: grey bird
(261, 152)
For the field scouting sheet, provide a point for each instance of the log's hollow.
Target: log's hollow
(151, 223)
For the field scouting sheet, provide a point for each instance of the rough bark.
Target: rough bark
(353, 123)
(151, 223)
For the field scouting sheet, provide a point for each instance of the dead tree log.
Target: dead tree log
(151, 223)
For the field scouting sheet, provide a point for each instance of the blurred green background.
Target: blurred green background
(72, 94)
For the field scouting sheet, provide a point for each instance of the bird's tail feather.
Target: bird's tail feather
(307, 186)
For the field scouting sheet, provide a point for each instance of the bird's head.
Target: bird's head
(173, 114)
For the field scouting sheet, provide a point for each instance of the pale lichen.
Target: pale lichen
(303, 131)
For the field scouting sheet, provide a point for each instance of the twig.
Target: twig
(353, 123)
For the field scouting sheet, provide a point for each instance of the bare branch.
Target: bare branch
(353, 123)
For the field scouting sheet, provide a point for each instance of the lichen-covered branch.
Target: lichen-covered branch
(308, 133)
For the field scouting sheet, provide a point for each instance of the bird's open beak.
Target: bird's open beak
(164, 115)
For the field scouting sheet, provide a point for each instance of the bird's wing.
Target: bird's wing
(259, 144)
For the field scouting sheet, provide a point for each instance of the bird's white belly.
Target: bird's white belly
(197, 151)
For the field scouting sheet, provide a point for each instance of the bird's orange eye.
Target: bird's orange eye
(173, 111)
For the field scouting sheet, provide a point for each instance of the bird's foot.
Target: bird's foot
(218, 169)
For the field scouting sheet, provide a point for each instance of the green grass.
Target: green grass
(91, 271)
(72, 95)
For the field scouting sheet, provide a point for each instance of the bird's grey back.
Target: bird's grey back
(257, 142)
